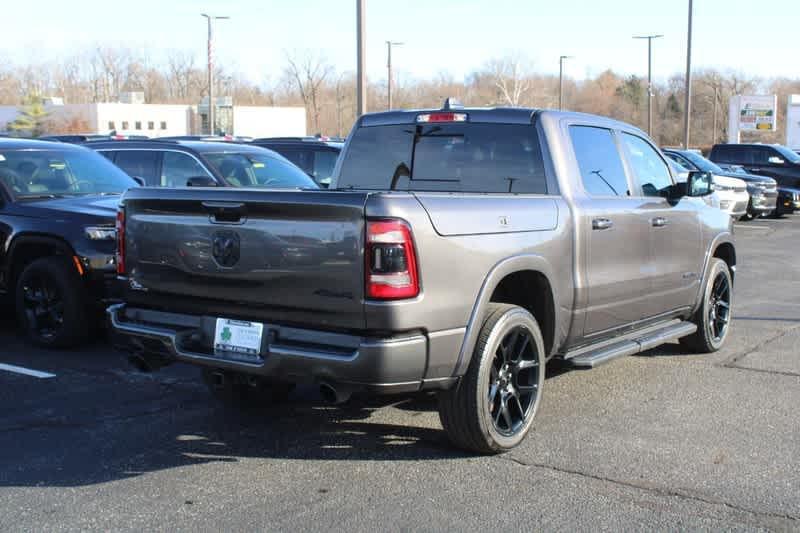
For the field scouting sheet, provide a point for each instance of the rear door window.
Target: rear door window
(452, 157)
(324, 162)
(140, 163)
(683, 164)
(178, 168)
(599, 161)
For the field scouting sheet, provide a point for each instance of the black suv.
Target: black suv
(773, 160)
(161, 163)
(315, 155)
(58, 205)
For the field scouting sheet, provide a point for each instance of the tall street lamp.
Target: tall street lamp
(688, 103)
(389, 45)
(649, 79)
(361, 50)
(561, 80)
(211, 19)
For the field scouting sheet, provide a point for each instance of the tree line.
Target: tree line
(307, 78)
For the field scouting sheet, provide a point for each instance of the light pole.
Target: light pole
(561, 80)
(716, 97)
(688, 103)
(649, 79)
(361, 49)
(211, 19)
(389, 45)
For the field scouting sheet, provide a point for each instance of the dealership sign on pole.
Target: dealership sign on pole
(793, 122)
(751, 113)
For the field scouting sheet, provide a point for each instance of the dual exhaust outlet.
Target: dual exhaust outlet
(332, 394)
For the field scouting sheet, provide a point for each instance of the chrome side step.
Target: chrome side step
(640, 341)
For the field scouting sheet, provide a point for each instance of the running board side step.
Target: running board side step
(639, 342)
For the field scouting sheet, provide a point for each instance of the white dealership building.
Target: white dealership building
(131, 116)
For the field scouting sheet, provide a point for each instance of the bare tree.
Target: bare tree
(308, 73)
(511, 77)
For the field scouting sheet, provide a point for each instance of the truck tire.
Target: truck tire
(242, 392)
(51, 303)
(492, 407)
(713, 317)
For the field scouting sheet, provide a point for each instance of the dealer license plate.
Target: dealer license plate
(238, 337)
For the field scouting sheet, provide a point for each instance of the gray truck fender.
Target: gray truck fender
(502, 269)
(722, 238)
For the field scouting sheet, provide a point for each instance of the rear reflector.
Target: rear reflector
(442, 117)
(391, 263)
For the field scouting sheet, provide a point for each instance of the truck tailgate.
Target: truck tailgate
(292, 256)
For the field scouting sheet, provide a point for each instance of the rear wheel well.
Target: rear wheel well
(530, 290)
(727, 253)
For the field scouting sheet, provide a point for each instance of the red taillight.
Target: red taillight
(120, 240)
(442, 117)
(391, 263)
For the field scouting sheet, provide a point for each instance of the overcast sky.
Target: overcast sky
(755, 37)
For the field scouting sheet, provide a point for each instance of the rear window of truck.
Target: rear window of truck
(448, 157)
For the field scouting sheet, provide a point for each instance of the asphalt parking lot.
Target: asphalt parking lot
(664, 440)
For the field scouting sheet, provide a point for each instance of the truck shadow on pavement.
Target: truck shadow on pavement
(101, 421)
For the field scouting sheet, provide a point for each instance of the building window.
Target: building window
(124, 125)
(111, 125)
(151, 125)
(163, 125)
(138, 125)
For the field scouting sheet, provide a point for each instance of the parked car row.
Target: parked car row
(58, 206)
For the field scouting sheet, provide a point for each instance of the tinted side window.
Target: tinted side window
(302, 158)
(761, 155)
(733, 154)
(324, 161)
(685, 163)
(178, 168)
(140, 163)
(651, 171)
(376, 155)
(599, 161)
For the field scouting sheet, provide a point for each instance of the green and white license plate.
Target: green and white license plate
(238, 337)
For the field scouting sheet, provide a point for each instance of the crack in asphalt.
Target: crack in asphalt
(732, 361)
(659, 491)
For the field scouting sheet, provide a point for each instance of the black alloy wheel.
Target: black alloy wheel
(44, 307)
(513, 381)
(719, 307)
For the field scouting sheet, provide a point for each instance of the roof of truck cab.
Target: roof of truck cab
(497, 115)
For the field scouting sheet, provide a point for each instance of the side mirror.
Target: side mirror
(139, 180)
(201, 181)
(699, 184)
(775, 160)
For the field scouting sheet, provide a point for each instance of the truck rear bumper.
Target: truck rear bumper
(380, 365)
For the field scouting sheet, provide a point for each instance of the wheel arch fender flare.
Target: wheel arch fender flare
(510, 265)
(23, 239)
(719, 240)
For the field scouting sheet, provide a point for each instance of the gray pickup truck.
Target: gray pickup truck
(458, 250)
